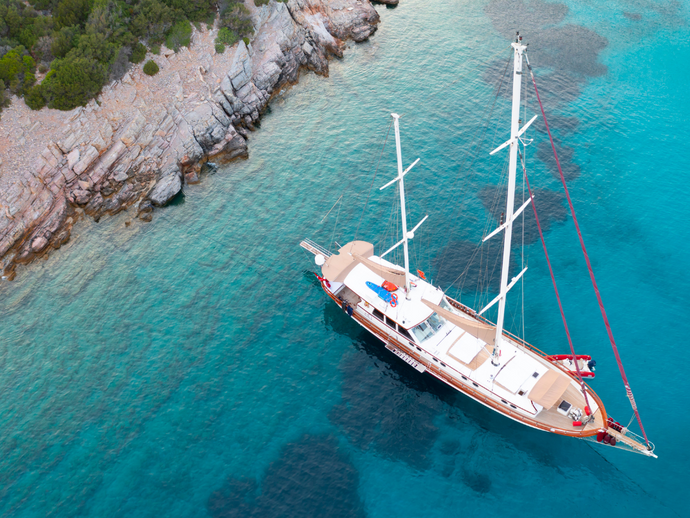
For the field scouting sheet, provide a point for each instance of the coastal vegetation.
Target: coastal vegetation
(81, 45)
(151, 68)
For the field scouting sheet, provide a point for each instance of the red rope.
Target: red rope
(628, 391)
(555, 288)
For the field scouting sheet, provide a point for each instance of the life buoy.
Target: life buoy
(394, 300)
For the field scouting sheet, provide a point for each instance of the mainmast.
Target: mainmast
(401, 185)
(514, 142)
(406, 235)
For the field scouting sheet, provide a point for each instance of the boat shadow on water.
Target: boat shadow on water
(407, 416)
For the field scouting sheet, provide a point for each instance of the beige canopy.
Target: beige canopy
(336, 267)
(549, 389)
(477, 329)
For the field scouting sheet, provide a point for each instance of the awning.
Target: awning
(336, 267)
(549, 389)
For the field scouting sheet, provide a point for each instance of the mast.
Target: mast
(396, 117)
(406, 235)
(515, 132)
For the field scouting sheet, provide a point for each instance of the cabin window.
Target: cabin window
(436, 321)
(378, 314)
(404, 332)
(422, 331)
(390, 322)
(445, 305)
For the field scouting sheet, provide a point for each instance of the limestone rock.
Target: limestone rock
(81, 196)
(167, 187)
(90, 155)
(73, 158)
(39, 243)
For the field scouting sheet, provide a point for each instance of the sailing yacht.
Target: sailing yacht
(452, 342)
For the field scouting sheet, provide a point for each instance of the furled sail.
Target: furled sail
(388, 273)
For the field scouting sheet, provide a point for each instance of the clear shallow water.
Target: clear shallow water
(192, 367)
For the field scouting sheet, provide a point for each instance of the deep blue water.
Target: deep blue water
(192, 366)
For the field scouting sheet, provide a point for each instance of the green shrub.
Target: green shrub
(236, 17)
(245, 40)
(179, 36)
(226, 37)
(72, 12)
(156, 49)
(63, 41)
(4, 99)
(42, 68)
(138, 53)
(220, 48)
(261, 2)
(35, 98)
(151, 68)
(17, 70)
(151, 20)
(194, 10)
(95, 46)
(73, 82)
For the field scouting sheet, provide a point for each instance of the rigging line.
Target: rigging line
(483, 276)
(366, 204)
(478, 146)
(333, 207)
(335, 226)
(628, 390)
(553, 280)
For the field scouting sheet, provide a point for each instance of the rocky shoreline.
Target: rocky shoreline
(145, 137)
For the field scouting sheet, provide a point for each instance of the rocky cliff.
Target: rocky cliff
(144, 137)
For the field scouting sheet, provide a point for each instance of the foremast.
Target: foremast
(406, 235)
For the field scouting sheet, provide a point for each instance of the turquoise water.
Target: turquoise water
(192, 367)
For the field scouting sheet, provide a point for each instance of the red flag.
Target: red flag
(421, 274)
